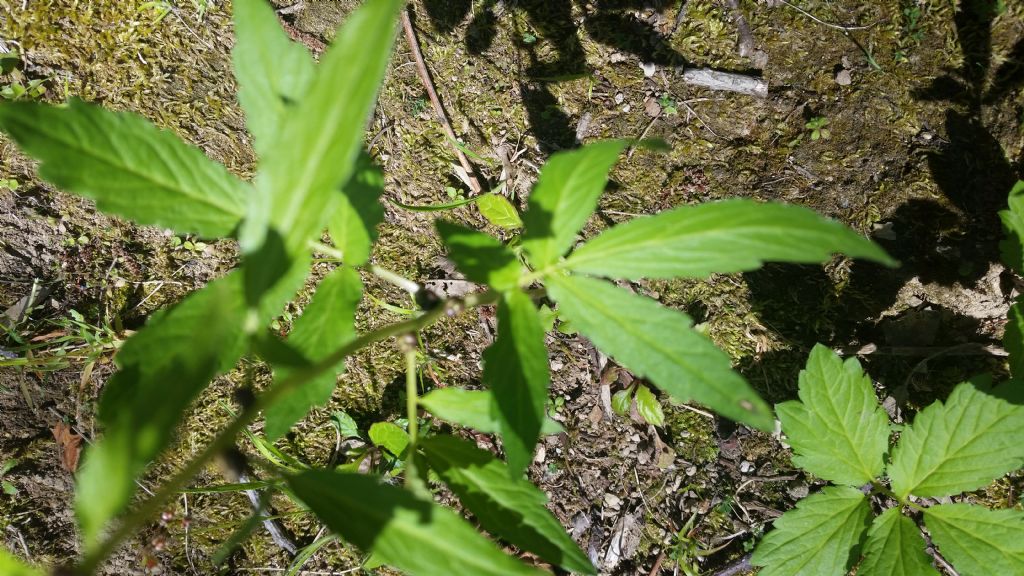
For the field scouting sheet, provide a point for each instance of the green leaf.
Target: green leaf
(416, 536)
(820, 537)
(297, 185)
(648, 406)
(499, 211)
(346, 426)
(659, 344)
(838, 432)
(621, 401)
(516, 370)
(11, 566)
(389, 436)
(719, 237)
(273, 72)
(436, 207)
(1012, 247)
(958, 446)
(353, 226)
(895, 548)
(128, 166)
(480, 257)
(566, 195)
(165, 365)
(511, 508)
(978, 541)
(1013, 338)
(474, 409)
(326, 323)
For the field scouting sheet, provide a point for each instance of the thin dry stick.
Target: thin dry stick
(421, 66)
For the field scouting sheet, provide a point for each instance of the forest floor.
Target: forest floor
(924, 102)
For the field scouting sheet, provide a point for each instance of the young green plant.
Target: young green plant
(307, 121)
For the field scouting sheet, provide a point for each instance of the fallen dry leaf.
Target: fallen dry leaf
(70, 446)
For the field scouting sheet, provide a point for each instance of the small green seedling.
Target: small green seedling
(9, 184)
(647, 404)
(18, 91)
(8, 488)
(669, 107)
(818, 127)
(840, 433)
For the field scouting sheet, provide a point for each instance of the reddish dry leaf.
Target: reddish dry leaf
(70, 446)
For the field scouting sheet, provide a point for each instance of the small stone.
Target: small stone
(612, 501)
(652, 107)
(843, 78)
(649, 68)
(690, 471)
(798, 490)
(746, 467)
(557, 365)
(627, 108)
(619, 97)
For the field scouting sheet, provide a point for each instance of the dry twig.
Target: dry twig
(421, 67)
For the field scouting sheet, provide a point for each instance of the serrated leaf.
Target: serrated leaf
(480, 257)
(958, 446)
(718, 237)
(895, 548)
(511, 508)
(820, 537)
(128, 166)
(326, 323)
(499, 211)
(1012, 247)
(474, 409)
(659, 344)
(839, 432)
(272, 72)
(297, 185)
(389, 436)
(648, 406)
(353, 226)
(978, 541)
(564, 197)
(516, 371)
(414, 535)
(187, 346)
(11, 566)
(1013, 338)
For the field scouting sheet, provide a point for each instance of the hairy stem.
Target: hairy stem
(153, 506)
(411, 398)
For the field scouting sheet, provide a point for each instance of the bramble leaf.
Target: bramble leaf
(187, 346)
(480, 257)
(621, 401)
(297, 185)
(1013, 338)
(895, 548)
(718, 237)
(353, 226)
(1012, 247)
(564, 197)
(273, 72)
(820, 537)
(499, 211)
(416, 536)
(473, 409)
(659, 344)
(389, 436)
(976, 540)
(326, 323)
(516, 371)
(838, 431)
(11, 566)
(128, 166)
(511, 508)
(958, 446)
(648, 406)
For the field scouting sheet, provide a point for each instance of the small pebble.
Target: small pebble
(649, 68)
(746, 467)
(843, 78)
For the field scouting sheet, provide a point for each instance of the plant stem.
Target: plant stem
(411, 398)
(152, 507)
